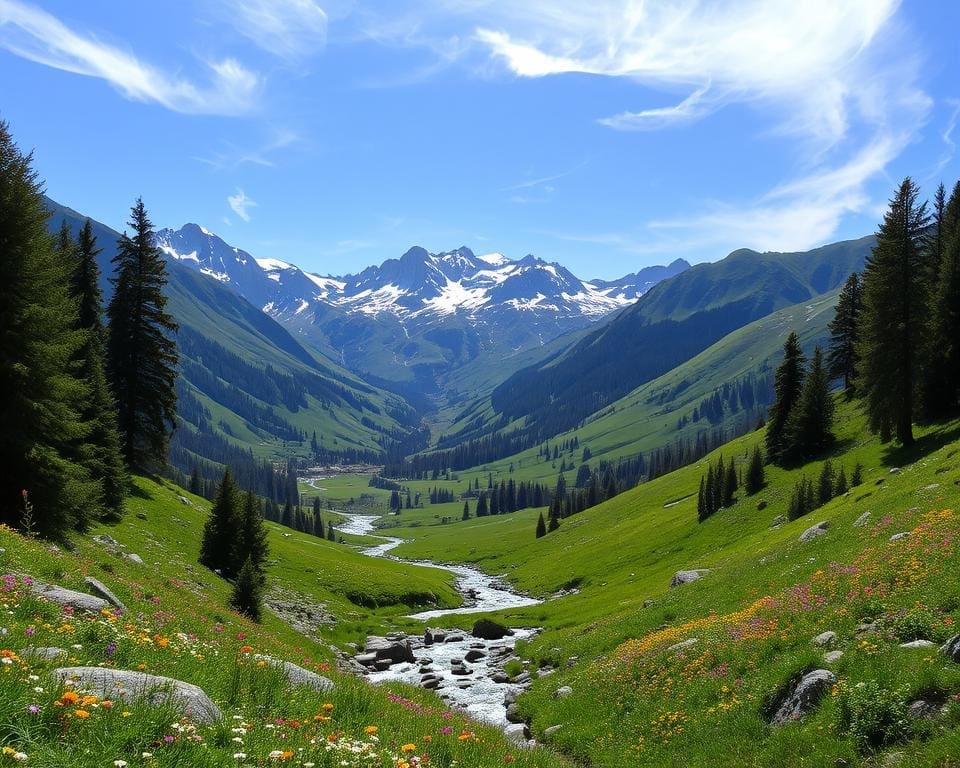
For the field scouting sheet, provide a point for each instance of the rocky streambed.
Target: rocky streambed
(468, 669)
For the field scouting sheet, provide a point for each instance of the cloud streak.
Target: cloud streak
(292, 30)
(38, 36)
(241, 204)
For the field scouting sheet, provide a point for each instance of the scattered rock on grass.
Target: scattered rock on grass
(42, 653)
(901, 535)
(814, 531)
(862, 520)
(103, 591)
(688, 577)
(563, 692)
(825, 639)
(79, 601)
(832, 657)
(803, 697)
(487, 629)
(297, 675)
(918, 644)
(190, 700)
(951, 648)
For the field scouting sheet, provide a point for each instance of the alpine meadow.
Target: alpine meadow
(466, 384)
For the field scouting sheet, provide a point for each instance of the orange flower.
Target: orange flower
(69, 698)
(86, 701)
(408, 748)
(246, 648)
(106, 704)
(328, 707)
(371, 730)
(82, 714)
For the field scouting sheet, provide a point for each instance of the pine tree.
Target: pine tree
(892, 316)
(101, 452)
(40, 397)
(251, 539)
(810, 427)
(941, 378)
(857, 477)
(825, 483)
(729, 484)
(287, 517)
(841, 487)
(755, 479)
(788, 383)
(466, 511)
(702, 511)
(541, 527)
(554, 514)
(220, 529)
(842, 356)
(142, 356)
(247, 595)
(331, 534)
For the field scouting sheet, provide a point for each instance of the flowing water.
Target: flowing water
(475, 693)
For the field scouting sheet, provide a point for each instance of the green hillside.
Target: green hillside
(675, 321)
(754, 615)
(248, 386)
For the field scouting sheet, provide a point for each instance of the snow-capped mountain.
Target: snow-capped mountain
(417, 285)
(437, 307)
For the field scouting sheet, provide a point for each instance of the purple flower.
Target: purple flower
(169, 739)
(111, 649)
(29, 631)
(33, 709)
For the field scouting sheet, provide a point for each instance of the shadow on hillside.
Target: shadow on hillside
(139, 493)
(943, 433)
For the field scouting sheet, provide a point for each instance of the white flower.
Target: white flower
(237, 739)
(5, 660)
(20, 757)
(239, 755)
(120, 764)
(146, 755)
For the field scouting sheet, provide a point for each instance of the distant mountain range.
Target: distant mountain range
(415, 319)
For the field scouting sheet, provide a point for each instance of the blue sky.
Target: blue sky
(606, 135)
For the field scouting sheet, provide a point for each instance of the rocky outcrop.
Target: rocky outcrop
(814, 531)
(688, 577)
(951, 648)
(125, 684)
(298, 675)
(825, 639)
(68, 598)
(101, 589)
(803, 698)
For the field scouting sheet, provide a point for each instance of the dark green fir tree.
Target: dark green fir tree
(842, 354)
(247, 595)
(141, 353)
(221, 528)
(788, 383)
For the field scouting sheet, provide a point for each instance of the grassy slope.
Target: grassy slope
(169, 595)
(624, 553)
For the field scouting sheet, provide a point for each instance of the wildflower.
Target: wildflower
(82, 714)
(125, 714)
(33, 709)
(246, 648)
(120, 764)
(147, 755)
(408, 748)
(328, 707)
(239, 755)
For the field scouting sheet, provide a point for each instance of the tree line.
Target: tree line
(82, 401)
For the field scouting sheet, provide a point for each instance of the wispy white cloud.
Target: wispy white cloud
(241, 204)
(544, 180)
(291, 30)
(231, 156)
(691, 108)
(34, 34)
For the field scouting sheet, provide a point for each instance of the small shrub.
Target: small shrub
(917, 623)
(874, 716)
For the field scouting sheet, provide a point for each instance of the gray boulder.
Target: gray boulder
(688, 577)
(475, 655)
(385, 648)
(832, 657)
(918, 644)
(901, 535)
(922, 710)
(551, 730)
(825, 639)
(513, 714)
(431, 636)
(298, 675)
(133, 557)
(778, 521)
(862, 520)
(951, 648)
(126, 684)
(79, 601)
(803, 697)
(814, 531)
(563, 692)
(101, 589)
(42, 653)
(682, 646)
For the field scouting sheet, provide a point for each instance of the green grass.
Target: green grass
(610, 648)
(178, 625)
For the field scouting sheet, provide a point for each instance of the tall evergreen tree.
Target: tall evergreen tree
(466, 511)
(40, 397)
(842, 355)
(247, 595)
(331, 534)
(142, 356)
(101, 453)
(810, 428)
(788, 383)
(251, 539)
(755, 478)
(221, 528)
(702, 512)
(729, 484)
(825, 483)
(893, 316)
(941, 378)
(541, 527)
